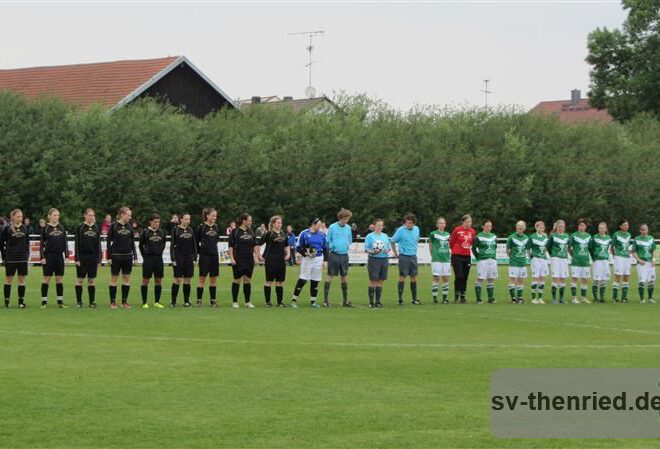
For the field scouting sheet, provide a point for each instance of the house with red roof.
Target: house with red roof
(115, 84)
(575, 110)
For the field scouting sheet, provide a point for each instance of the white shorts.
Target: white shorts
(622, 265)
(581, 272)
(559, 267)
(517, 272)
(311, 269)
(487, 269)
(441, 268)
(602, 270)
(646, 273)
(539, 267)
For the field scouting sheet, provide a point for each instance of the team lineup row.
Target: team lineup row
(548, 255)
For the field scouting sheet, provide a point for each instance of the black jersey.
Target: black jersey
(207, 239)
(243, 242)
(152, 243)
(276, 243)
(183, 245)
(15, 243)
(53, 241)
(121, 241)
(87, 242)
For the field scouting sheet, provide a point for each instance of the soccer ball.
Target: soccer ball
(379, 245)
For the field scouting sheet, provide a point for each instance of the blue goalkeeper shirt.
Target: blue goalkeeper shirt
(315, 240)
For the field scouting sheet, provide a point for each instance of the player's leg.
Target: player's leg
(584, 285)
(114, 277)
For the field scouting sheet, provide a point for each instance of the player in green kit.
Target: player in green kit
(484, 249)
(440, 260)
(558, 248)
(578, 247)
(538, 246)
(621, 241)
(600, 253)
(516, 248)
(643, 249)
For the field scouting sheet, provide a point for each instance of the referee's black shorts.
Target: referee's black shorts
(209, 265)
(152, 266)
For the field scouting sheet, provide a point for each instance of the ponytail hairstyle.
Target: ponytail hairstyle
(556, 223)
(122, 211)
(51, 210)
(15, 212)
(272, 221)
(88, 210)
(243, 218)
(206, 212)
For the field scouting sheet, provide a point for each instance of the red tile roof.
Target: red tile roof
(568, 113)
(106, 83)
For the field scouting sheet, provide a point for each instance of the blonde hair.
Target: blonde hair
(557, 223)
(122, 211)
(272, 221)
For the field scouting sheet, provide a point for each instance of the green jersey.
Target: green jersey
(580, 242)
(439, 246)
(558, 245)
(644, 247)
(538, 245)
(600, 247)
(621, 243)
(517, 246)
(484, 246)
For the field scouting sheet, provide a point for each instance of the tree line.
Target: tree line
(503, 165)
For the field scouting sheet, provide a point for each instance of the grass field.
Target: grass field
(398, 377)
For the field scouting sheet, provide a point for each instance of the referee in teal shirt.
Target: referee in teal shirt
(340, 238)
(407, 237)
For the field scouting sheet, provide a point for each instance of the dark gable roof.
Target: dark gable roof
(111, 84)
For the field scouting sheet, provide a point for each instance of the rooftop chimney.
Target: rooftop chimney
(255, 100)
(575, 97)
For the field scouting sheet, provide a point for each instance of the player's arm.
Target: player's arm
(142, 242)
(475, 247)
(231, 243)
(65, 244)
(3, 242)
(173, 242)
(42, 244)
(256, 249)
(508, 247)
(395, 253)
(76, 244)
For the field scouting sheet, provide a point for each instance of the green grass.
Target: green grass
(407, 376)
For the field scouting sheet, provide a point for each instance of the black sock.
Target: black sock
(379, 292)
(372, 290)
(400, 290)
(44, 291)
(7, 293)
(235, 288)
(91, 291)
(125, 289)
(247, 291)
(59, 290)
(313, 289)
(21, 293)
(267, 293)
(158, 290)
(213, 291)
(186, 292)
(279, 292)
(79, 290)
(344, 291)
(144, 290)
(175, 292)
(200, 293)
(326, 291)
(299, 286)
(113, 293)
(413, 290)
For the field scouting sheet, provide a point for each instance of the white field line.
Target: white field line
(332, 344)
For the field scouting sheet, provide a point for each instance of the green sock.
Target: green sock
(562, 289)
(624, 291)
(650, 290)
(519, 292)
(490, 289)
(640, 289)
(573, 290)
(477, 291)
(553, 291)
(445, 291)
(615, 291)
(540, 288)
(434, 291)
(594, 291)
(512, 291)
(583, 292)
(533, 290)
(603, 289)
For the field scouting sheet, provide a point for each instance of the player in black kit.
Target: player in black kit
(276, 254)
(209, 263)
(122, 254)
(243, 248)
(183, 252)
(15, 250)
(152, 245)
(53, 252)
(87, 254)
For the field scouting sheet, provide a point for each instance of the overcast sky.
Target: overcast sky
(403, 53)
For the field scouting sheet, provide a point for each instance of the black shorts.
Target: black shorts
(88, 267)
(123, 264)
(243, 268)
(407, 265)
(20, 268)
(209, 265)
(152, 266)
(337, 264)
(54, 265)
(275, 270)
(184, 268)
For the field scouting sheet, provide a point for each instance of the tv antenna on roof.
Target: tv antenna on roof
(486, 92)
(309, 91)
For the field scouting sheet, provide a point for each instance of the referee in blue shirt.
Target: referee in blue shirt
(407, 236)
(340, 238)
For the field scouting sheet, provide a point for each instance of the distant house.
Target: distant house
(316, 104)
(115, 84)
(575, 110)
